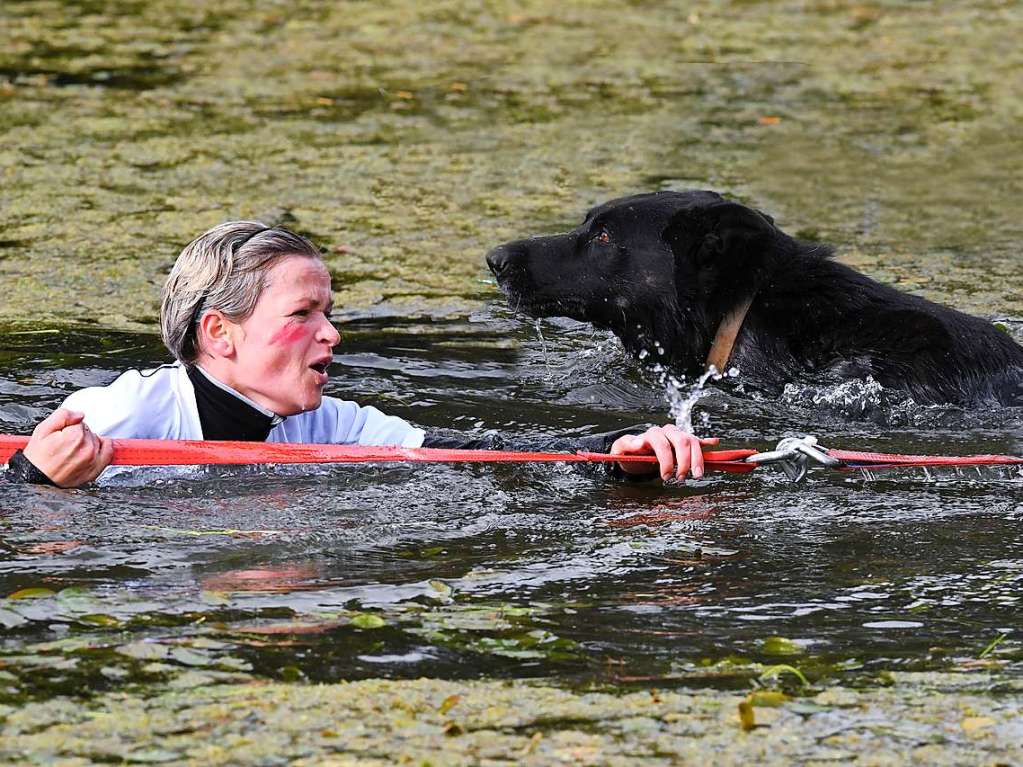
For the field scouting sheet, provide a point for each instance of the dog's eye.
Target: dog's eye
(602, 237)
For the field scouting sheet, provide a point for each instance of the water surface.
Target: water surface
(482, 571)
(406, 139)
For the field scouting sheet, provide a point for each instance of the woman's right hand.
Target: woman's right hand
(64, 449)
(677, 451)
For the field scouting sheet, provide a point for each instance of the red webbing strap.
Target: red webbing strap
(161, 452)
(857, 459)
(730, 461)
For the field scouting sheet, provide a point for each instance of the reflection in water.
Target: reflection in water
(280, 579)
(459, 570)
(690, 509)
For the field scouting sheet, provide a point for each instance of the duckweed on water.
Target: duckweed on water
(924, 718)
(409, 138)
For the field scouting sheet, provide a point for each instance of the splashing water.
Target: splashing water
(865, 399)
(682, 398)
(538, 324)
(958, 476)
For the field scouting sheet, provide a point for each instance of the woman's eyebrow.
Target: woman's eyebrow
(308, 301)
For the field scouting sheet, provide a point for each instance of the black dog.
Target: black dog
(674, 273)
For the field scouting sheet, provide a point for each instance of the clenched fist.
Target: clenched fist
(64, 449)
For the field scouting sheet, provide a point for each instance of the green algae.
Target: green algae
(407, 139)
(921, 718)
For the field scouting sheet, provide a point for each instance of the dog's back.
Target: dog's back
(831, 320)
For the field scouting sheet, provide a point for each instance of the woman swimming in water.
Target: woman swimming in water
(246, 314)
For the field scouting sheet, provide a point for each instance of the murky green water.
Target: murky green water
(407, 139)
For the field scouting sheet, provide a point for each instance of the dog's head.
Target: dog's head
(659, 270)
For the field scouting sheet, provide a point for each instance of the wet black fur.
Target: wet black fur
(661, 270)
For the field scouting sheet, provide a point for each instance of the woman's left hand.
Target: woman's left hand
(677, 452)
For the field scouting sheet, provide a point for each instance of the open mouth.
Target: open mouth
(321, 367)
(573, 309)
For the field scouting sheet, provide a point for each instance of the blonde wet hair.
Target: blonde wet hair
(224, 269)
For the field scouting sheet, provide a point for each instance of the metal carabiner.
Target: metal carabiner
(793, 454)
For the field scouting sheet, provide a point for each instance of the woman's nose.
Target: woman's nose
(329, 333)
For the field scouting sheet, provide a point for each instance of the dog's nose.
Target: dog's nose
(499, 260)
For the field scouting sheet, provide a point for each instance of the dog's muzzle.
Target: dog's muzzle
(502, 261)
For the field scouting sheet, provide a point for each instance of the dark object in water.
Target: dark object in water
(662, 271)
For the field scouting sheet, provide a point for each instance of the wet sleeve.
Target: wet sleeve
(22, 471)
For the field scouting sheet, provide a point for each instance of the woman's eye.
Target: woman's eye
(300, 313)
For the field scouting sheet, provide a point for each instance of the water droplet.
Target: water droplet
(682, 399)
(543, 346)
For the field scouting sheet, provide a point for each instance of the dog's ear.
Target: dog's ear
(725, 236)
(738, 237)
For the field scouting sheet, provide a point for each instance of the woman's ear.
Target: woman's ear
(215, 334)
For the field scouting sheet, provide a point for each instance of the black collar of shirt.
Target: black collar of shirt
(224, 414)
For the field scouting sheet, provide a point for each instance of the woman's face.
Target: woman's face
(283, 348)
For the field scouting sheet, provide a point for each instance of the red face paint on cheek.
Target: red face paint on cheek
(291, 333)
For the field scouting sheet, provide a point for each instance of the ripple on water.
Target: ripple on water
(522, 570)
